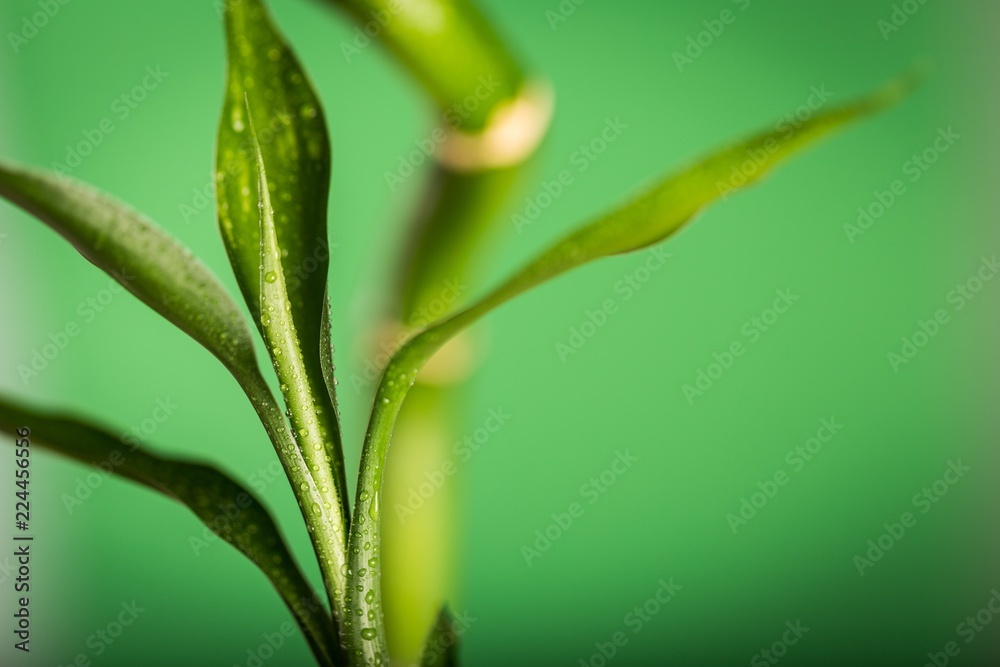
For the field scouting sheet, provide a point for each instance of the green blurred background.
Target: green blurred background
(664, 518)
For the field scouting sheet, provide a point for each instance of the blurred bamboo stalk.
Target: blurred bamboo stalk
(493, 117)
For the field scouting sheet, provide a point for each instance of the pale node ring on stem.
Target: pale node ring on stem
(515, 129)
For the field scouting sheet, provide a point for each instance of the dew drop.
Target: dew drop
(270, 277)
(368, 633)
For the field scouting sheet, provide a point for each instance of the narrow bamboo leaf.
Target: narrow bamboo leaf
(325, 518)
(265, 79)
(206, 491)
(447, 45)
(165, 276)
(649, 219)
(441, 647)
(143, 258)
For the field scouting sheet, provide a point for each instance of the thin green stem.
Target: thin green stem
(326, 529)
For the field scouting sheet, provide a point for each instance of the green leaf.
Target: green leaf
(325, 519)
(144, 259)
(224, 506)
(441, 647)
(266, 80)
(646, 220)
(157, 269)
(449, 47)
(165, 276)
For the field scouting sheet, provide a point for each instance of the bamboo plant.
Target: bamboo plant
(272, 184)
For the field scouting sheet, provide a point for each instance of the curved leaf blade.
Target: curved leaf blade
(265, 77)
(649, 219)
(266, 81)
(206, 491)
(325, 518)
(164, 275)
(144, 259)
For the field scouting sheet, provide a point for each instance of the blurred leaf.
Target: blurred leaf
(223, 505)
(646, 220)
(143, 258)
(441, 648)
(265, 79)
(325, 519)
